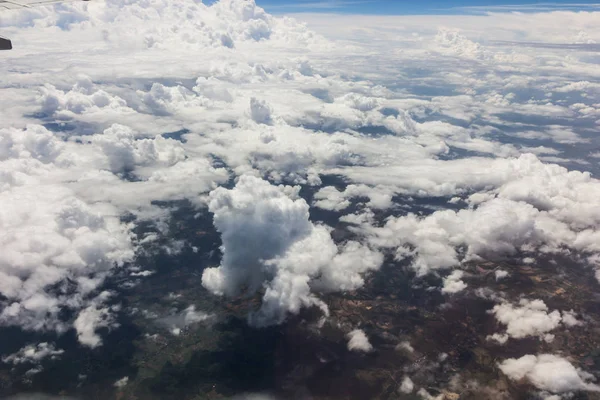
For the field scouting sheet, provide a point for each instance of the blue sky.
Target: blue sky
(422, 6)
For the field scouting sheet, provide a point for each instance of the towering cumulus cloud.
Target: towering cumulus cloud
(269, 242)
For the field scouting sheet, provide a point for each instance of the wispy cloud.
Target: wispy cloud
(535, 7)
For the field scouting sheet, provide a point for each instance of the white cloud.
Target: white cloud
(405, 346)
(453, 42)
(500, 274)
(580, 86)
(121, 383)
(424, 394)
(569, 319)
(50, 238)
(268, 240)
(124, 152)
(83, 98)
(530, 318)
(531, 210)
(329, 198)
(91, 319)
(548, 372)
(453, 283)
(279, 101)
(407, 385)
(73, 233)
(33, 354)
(260, 111)
(358, 341)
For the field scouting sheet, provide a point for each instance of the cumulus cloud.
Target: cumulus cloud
(548, 372)
(580, 86)
(135, 119)
(92, 318)
(407, 385)
(329, 198)
(453, 282)
(532, 211)
(82, 98)
(269, 241)
(121, 383)
(358, 341)
(453, 42)
(424, 394)
(125, 152)
(405, 345)
(60, 247)
(500, 274)
(260, 111)
(530, 318)
(56, 248)
(569, 319)
(33, 354)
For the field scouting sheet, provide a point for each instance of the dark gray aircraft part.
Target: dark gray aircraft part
(6, 44)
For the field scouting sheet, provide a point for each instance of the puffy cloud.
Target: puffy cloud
(260, 111)
(56, 248)
(453, 42)
(125, 152)
(91, 319)
(329, 198)
(548, 372)
(530, 210)
(580, 86)
(508, 225)
(33, 354)
(569, 319)
(407, 385)
(360, 101)
(424, 394)
(453, 283)
(530, 318)
(358, 341)
(161, 99)
(60, 247)
(135, 80)
(121, 383)
(405, 345)
(500, 274)
(83, 98)
(268, 240)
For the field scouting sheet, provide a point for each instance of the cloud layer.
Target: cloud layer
(441, 140)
